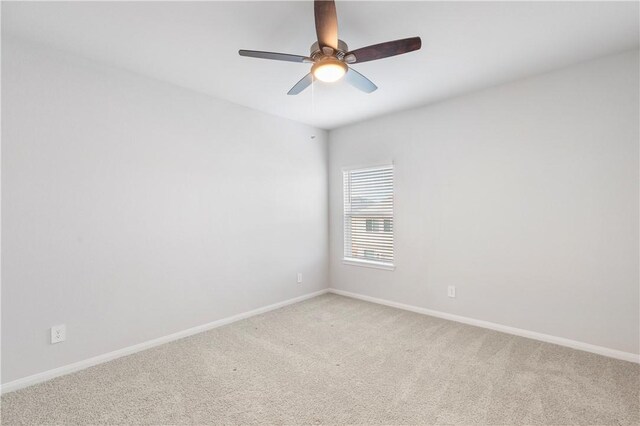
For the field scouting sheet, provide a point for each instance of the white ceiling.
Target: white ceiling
(466, 46)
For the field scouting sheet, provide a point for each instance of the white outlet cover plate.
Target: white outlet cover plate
(451, 291)
(58, 333)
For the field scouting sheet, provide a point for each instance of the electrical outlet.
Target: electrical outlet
(299, 277)
(58, 333)
(451, 291)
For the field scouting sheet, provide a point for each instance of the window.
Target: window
(368, 204)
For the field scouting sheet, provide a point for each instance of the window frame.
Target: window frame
(366, 262)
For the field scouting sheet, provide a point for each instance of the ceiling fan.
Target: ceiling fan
(330, 56)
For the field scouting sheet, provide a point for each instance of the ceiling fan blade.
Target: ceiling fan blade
(359, 81)
(326, 23)
(383, 50)
(301, 85)
(274, 56)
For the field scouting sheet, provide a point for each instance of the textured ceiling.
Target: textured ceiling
(466, 46)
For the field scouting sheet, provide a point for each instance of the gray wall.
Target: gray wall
(523, 196)
(133, 209)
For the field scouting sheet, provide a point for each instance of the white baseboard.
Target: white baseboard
(81, 365)
(587, 347)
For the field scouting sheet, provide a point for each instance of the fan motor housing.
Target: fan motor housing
(316, 52)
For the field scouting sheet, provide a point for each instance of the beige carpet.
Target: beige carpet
(333, 359)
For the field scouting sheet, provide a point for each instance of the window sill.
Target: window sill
(368, 264)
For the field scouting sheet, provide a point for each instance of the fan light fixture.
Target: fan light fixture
(329, 70)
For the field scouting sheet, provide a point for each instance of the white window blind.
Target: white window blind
(368, 215)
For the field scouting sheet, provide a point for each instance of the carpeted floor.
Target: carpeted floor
(337, 360)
